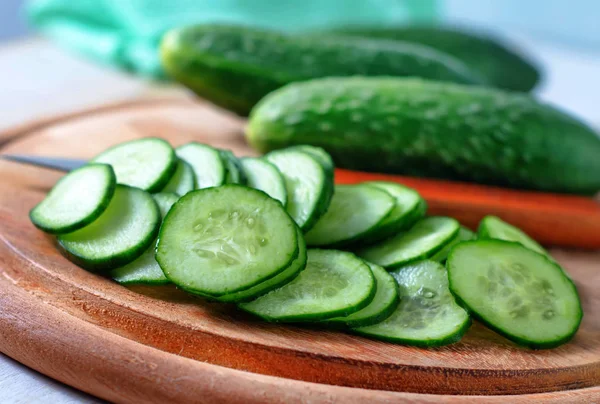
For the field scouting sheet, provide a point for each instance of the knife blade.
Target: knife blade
(54, 163)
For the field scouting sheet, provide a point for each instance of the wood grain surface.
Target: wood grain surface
(157, 344)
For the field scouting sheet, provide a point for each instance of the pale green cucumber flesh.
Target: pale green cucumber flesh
(147, 163)
(495, 228)
(183, 180)
(421, 241)
(221, 240)
(209, 168)
(334, 283)
(76, 200)
(121, 234)
(464, 234)
(427, 314)
(264, 176)
(353, 212)
(235, 173)
(519, 293)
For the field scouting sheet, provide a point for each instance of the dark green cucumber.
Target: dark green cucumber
(441, 130)
(519, 293)
(235, 172)
(499, 62)
(235, 66)
(427, 315)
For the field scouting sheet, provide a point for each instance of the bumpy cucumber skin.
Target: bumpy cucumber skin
(501, 64)
(235, 66)
(505, 334)
(82, 223)
(441, 130)
(115, 261)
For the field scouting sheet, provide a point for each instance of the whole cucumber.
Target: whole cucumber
(235, 66)
(498, 61)
(442, 130)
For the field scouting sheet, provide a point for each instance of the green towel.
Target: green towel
(126, 33)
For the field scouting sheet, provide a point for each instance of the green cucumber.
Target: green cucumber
(147, 163)
(422, 241)
(119, 235)
(309, 186)
(209, 168)
(275, 282)
(76, 200)
(499, 62)
(354, 211)
(221, 240)
(464, 234)
(409, 208)
(334, 283)
(381, 307)
(319, 154)
(235, 172)
(145, 269)
(427, 315)
(235, 66)
(518, 293)
(264, 176)
(183, 180)
(425, 128)
(492, 227)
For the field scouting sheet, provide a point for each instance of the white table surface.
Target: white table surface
(38, 79)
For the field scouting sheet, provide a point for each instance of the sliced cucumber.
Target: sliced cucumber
(235, 172)
(408, 209)
(76, 200)
(515, 291)
(221, 240)
(264, 176)
(275, 282)
(145, 269)
(309, 186)
(318, 153)
(334, 283)
(383, 305)
(492, 227)
(147, 163)
(422, 241)
(353, 212)
(464, 234)
(183, 181)
(206, 162)
(121, 234)
(427, 314)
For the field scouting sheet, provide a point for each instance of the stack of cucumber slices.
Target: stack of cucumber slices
(275, 236)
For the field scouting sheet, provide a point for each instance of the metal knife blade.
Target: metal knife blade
(54, 163)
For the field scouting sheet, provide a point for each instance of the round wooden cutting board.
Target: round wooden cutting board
(157, 344)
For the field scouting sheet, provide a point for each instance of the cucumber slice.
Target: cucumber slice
(76, 200)
(518, 293)
(353, 212)
(183, 181)
(145, 269)
(147, 163)
(264, 176)
(492, 227)
(427, 314)
(221, 240)
(464, 234)
(409, 209)
(318, 153)
(121, 234)
(334, 283)
(275, 282)
(235, 172)
(383, 305)
(422, 241)
(206, 162)
(309, 186)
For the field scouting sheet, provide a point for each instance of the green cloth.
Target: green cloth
(126, 33)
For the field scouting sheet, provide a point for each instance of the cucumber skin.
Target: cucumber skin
(235, 66)
(517, 340)
(115, 261)
(81, 224)
(498, 62)
(441, 130)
